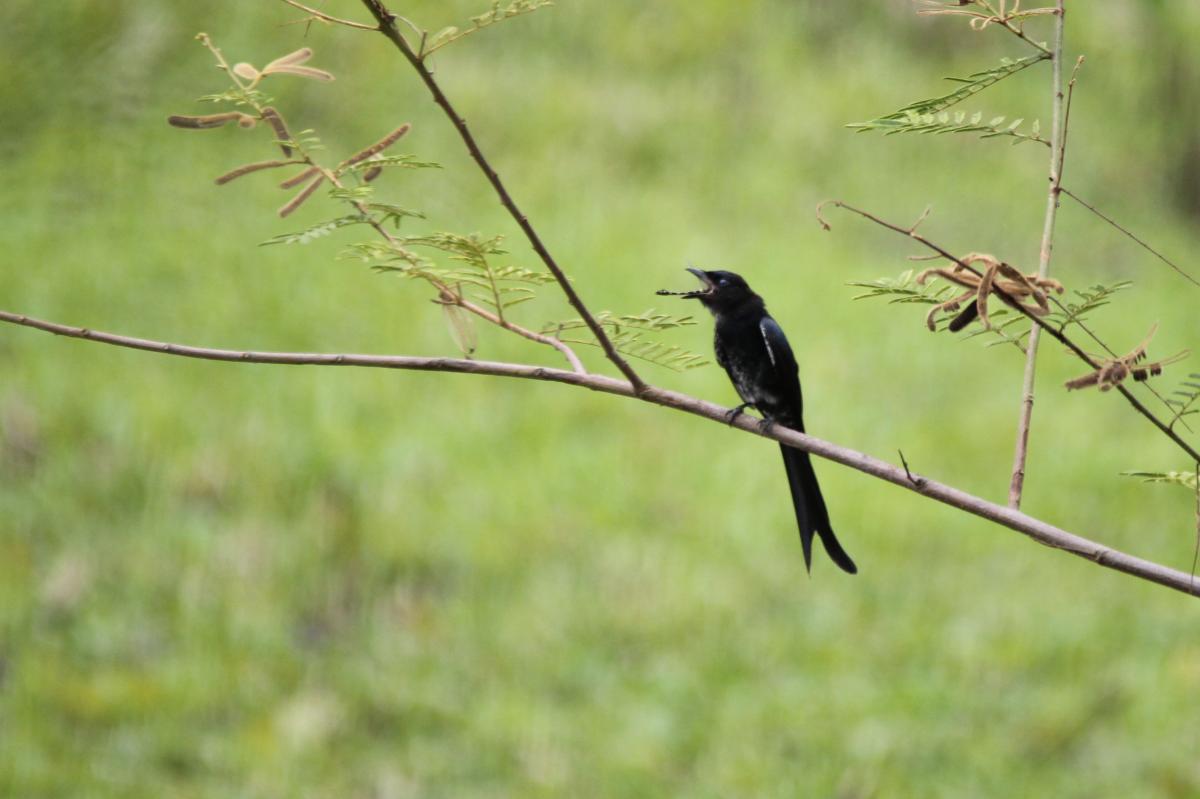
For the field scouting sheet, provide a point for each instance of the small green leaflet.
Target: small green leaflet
(314, 232)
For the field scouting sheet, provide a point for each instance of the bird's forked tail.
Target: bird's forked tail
(811, 515)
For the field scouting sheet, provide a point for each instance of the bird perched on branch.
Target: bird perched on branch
(755, 353)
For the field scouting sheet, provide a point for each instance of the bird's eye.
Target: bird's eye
(723, 282)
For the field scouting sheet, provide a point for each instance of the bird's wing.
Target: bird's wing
(778, 349)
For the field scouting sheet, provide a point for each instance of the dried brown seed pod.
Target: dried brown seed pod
(277, 124)
(378, 147)
(246, 169)
(202, 122)
(299, 199)
(296, 180)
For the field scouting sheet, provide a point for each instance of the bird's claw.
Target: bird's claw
(732, 415)
(765, 426)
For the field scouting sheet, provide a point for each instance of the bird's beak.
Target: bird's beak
(689, 295)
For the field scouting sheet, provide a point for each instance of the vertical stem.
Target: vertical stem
(1057, 152)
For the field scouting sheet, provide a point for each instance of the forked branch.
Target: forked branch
(387, 26)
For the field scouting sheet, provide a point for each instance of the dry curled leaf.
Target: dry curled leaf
(302, 72)
(246, 71)
(292, 58)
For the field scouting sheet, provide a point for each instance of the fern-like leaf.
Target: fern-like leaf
(911, 118)
(903, 289)
(315, 232)
(1185, 399)
(499, 287)
(958, 122)
(394, 161)
(237, 96)
(497, 13)
(1088, 300)
(1007, 326)
(628, 333)
(1185, 479)
(393, 213)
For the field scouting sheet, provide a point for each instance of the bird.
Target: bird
(753, 350)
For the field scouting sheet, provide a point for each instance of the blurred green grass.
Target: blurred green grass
(246, 580)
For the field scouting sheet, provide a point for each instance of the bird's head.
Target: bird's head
(722, 291)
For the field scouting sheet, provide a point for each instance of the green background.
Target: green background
(237, 580)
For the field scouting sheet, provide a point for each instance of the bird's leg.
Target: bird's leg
(734, 413)
(765, 424)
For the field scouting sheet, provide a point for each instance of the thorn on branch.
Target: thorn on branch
(918, 482)
(924, 215)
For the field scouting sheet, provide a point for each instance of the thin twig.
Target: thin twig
(387, 27)
(1127, 232)
(1036, 529)
(1058, 151)
(1020, 34)
(980, 21)
(321, 15)
(1196, 551)
(1050, 329)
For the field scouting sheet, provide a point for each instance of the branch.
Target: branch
(1036, 529)
(1054, 332)
(323, 17)
(387, 26)
(1184, 274)
(1058, 153)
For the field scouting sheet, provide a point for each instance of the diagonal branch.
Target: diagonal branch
(387, 26)
(1038, 530)
(1182, 273)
